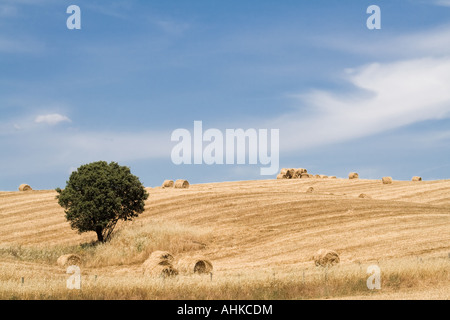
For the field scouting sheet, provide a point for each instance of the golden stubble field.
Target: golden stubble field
(259, 235)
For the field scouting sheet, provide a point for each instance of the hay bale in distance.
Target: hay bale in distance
(298, 172)
(305, 176)
(310, 190)
(353, 175)
(416, 178)
(333, 177)
(322, 176)
(69, 260)
(167, 184)
(181, 184)
(325, 257)
(364, 196)
(317, 176)
(281, 176)
(159, 264)
(25, 187)
(194, 265)
(289, 173)
(387, 180)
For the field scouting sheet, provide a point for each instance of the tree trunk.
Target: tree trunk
(99, 231)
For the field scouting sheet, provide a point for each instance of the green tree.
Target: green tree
(98, 195)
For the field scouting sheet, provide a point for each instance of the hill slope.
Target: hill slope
(269, 223)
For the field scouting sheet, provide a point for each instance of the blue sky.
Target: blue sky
(345, 98)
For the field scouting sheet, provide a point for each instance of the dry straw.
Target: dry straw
(69, 260)
(289, 173)
(298, 173)
(326, 257)
(387, 180)
(167, 184)
(159, 264)
(161, 255)
(24, 187)
(161, 271)
(181, 184)
(353, 175)
(193, 265)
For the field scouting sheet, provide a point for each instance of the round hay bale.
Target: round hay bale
(353, 175)
(181, 184)
(333, 177)
(310, 190)
(305, 176)
(289, 173)
(322, 176)
(298, 172)
(167, 184)
(325, 257)
(416, 178)
(159, 263)
(281, 176)
(69, 260)
(24, 187)
(387, 180)
(194, 265)
(317, 176)
(364, 196)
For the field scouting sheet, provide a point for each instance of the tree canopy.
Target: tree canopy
(98, 195)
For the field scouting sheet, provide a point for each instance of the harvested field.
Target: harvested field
(263, 227)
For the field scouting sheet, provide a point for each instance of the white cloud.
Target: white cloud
(390, 95)
(52, 119)
(444, 3)
(431, 42)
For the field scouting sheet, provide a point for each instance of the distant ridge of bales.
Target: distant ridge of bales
(301, 173)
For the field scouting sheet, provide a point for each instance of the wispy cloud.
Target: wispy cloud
(52, 119)
(116, 9)
(389, 96)
(70, 148)
(7, 10)
(431, 42)
(444, 3)
(171, 26)
(21, 45)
